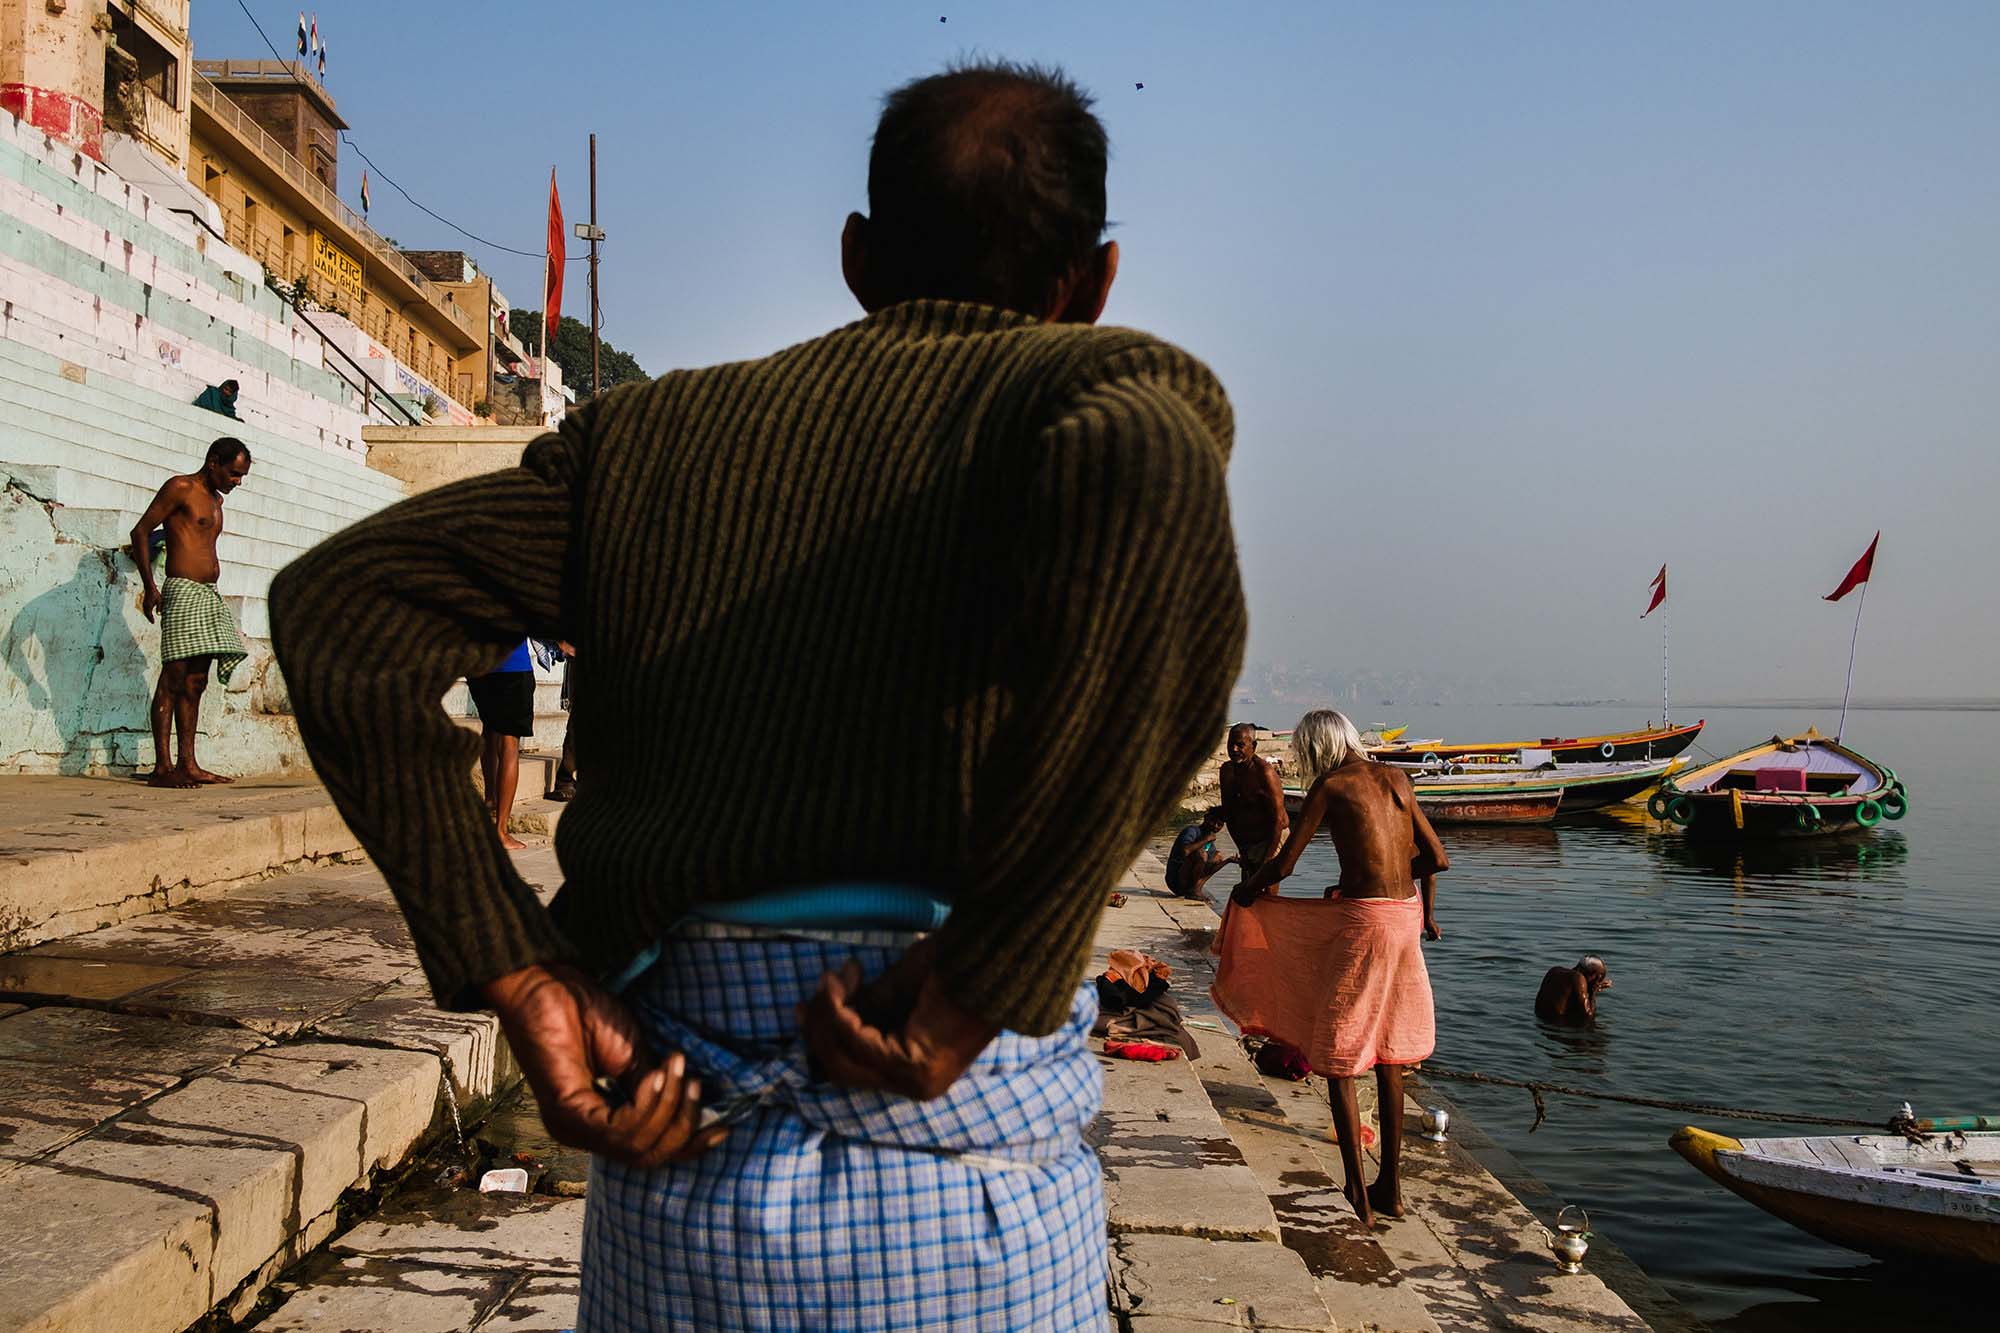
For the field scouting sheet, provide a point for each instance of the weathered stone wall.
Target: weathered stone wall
(425, 456)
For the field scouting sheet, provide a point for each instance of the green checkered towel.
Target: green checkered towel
(195, 622)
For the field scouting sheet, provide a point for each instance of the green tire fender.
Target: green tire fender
(1681, 810)
(1657, 803)
(1895, 803)
(1868, 814)
(1808, 818)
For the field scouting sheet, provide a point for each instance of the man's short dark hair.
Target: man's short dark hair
(985, 183)
(225, 450)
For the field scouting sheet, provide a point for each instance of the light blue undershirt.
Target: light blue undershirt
(851, 906)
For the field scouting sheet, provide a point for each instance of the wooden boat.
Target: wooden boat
(1583, 786)
(1645, 743)
(1936, 1200)
(1471, 804)
(1803, 787)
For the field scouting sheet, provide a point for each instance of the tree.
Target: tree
(571, 350)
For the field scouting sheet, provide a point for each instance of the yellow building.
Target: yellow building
(264, 145)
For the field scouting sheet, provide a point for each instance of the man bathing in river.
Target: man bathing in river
(1569, 994)
(934, 569)
(1253, 800)
(195, 625)
(1343, 978)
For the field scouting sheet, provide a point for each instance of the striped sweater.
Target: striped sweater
(946, 597)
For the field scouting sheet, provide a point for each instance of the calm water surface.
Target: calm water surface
(1837, 978)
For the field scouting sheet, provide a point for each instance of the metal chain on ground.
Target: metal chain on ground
(1536, 1088)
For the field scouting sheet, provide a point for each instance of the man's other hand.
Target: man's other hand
(573, 1039)
(900, 1033)
(1431, 931)
(1246, 893)
(150, 602)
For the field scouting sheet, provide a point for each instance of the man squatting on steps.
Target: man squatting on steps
(195, 624)
(933, 569)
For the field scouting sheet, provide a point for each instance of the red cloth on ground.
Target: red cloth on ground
(1151, 1051)
(1342, 979)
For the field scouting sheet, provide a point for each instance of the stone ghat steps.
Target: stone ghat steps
(83, 250)
(155, 432)
(187, 1100)
(1468, 1255)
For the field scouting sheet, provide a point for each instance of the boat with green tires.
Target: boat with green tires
(1798, 787)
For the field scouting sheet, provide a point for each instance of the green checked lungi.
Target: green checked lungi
(195, 622)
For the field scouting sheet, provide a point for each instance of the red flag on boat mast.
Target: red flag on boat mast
(1863, 568)
(1659, 593)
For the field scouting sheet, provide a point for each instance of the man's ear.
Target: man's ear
(1082, 302)
(854, 262)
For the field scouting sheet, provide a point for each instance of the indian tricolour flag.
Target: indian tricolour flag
(364, 194)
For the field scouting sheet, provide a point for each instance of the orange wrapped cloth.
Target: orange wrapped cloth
(1342, 979)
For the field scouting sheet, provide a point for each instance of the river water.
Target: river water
(1840, 977)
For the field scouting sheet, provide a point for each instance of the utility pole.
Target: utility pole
(590, 231)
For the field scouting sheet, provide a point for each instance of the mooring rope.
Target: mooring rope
(1536, 1088)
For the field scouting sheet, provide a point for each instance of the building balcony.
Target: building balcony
(278, 168)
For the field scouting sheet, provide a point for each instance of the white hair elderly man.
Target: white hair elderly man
(1343, 978)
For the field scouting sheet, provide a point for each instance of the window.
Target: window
(159, 71)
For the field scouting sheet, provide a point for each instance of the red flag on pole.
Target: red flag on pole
(1858, 575)
(553, 282)
(1659, 593)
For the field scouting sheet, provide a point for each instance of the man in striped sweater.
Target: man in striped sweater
(931, 570)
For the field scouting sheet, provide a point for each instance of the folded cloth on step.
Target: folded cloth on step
(1342, 979)
(1150, 1051)
(195, 622)
(1125, 1014)
(1135, 969)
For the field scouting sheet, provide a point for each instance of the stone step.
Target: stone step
(157, 438)
(141, 850)
(192, 1094)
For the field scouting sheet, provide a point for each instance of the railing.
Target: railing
(280, 157)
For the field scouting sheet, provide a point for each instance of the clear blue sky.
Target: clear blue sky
(1514, 301)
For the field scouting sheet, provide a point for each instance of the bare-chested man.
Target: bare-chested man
(196, 627)
(1569, 994)
(1253, 800)
(1388, 854)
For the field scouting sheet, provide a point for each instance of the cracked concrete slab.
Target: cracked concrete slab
(465, 1229)
(403, 1015)
(86, 1252)
(126, 1044)
(374, 1294)
(274, 1002)
(43, 1107)
(1240, 1284)
(539, 1305)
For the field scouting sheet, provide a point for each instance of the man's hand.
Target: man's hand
(901, 1033)
(1431, 931)
(150, 602)
(569, 1035)
(1246, 893)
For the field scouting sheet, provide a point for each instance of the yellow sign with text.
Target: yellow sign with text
(335, 272)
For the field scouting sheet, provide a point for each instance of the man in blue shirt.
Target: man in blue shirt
(505, 698)
(1193, 860)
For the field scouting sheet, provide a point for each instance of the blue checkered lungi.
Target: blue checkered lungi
(832, 1209)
